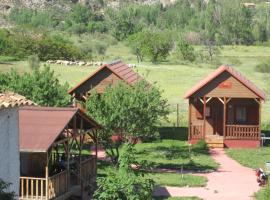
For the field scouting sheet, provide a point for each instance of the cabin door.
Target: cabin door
(218, 120)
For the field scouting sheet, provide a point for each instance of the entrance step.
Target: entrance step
(214, 141)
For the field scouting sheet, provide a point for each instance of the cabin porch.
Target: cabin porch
(225, 122)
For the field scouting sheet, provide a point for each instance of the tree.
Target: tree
(40, 86)
(130, 112)
(186, 50)
(81, 14)
(125, 184)
(4, 194)
(154, 44)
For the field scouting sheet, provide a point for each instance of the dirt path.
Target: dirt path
(231, 181)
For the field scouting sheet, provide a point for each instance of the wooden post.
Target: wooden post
(80, 154)
(260, 110)
(189, 120)
(224, 117)
(68, 158)
(47, 178)
(204, 117)
(177, 115)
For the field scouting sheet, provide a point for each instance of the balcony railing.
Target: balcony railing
(242, 132)
(32, 188)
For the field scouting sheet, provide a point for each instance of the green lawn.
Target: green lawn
(174, 154)
(174, 179)
(171, 154)
(253, 158)
(174, 77)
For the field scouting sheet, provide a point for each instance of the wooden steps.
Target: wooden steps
(214, 141)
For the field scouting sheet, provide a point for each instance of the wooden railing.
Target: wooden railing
(196, 132)
(58, 184)
(32, 188)
(88, 171)
(242, 132)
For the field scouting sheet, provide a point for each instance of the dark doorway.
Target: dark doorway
(217, 112)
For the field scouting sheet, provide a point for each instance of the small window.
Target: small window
(241, 114)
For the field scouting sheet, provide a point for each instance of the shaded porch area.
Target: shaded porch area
(222, 121)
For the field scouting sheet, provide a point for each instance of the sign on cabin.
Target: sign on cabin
(225, 85)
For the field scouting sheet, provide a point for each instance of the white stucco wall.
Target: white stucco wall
(9, 148)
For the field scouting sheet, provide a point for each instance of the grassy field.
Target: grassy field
(175, 77)
(253, 158)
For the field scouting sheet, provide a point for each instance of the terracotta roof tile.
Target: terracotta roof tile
(235, 74)
(11, 99)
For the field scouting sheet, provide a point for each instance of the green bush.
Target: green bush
(33, 62)
(33, 18)
(4, 195)
(263, 67)
(186, 50)
(173, 133)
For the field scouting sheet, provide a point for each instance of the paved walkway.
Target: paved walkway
(231, 181)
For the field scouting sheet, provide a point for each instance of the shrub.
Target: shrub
(186, 50)
(33, 62)
(125, 184)
(263, 67)
(4, 194)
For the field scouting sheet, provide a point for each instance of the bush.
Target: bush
(173, 133)
(263, 67)
(4, 194)
(186, 50)
(125, 184)
(33, 62)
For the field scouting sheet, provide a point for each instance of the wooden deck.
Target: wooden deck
(214, 141)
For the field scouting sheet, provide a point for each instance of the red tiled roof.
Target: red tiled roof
(11, 99)
(234, 73)
(120, 69)
(40, 126)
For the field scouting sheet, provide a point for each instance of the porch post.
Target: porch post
(189, 120)
(47, 177)
(204, 109)
(68, 157)
(224, 117)
(260, 110)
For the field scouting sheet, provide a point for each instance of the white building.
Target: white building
(9, 138)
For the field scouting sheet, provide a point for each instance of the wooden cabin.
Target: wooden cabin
(225, 110)
(108, 74)
(54, 156)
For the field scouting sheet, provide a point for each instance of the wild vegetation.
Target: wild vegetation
(4, 193)
(153, 31)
